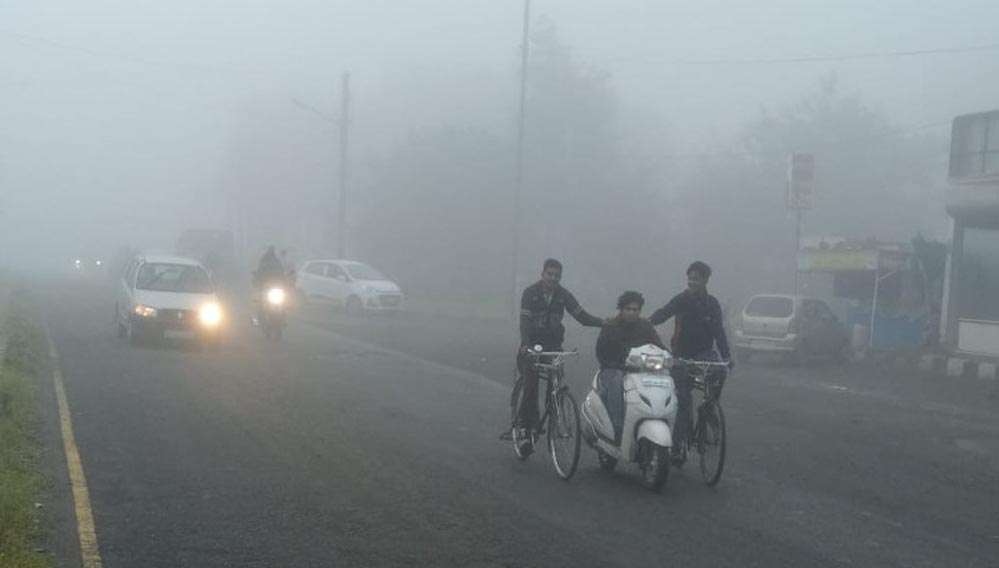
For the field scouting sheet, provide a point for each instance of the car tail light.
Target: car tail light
(793, 325)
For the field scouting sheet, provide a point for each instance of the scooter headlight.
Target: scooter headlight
(653, 363)
(275, 296)
(210, 314)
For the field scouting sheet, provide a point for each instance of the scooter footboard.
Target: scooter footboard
(656, 431)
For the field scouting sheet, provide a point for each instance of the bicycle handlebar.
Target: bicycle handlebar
(553, 353)
(705, 364)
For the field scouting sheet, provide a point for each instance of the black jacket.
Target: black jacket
(541, 318)
(698, 324)
(618, 338)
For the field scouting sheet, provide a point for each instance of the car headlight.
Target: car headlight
(210, 314)
(275, 296)
(145, 311)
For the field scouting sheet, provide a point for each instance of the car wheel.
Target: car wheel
(134, 334)
(793, 358)
(354, 305)
(120, 328)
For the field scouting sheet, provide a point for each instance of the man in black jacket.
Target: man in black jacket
(542, 307)
(699, 330)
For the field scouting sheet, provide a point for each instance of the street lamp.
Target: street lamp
(343, 125)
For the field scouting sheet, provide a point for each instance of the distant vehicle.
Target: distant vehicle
(87, 266)
(795, 327)
(272, 304)
(353, 285)
(168, 297)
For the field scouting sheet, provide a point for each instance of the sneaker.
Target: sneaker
(525, 442)
(679, 455)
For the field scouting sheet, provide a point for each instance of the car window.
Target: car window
(809, 309)
(163, 277)
(129, 271)
(363, 271)
(336, 271)
(316, 268)
(770, 307)
(133, 269)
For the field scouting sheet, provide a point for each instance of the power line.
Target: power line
(832, 144)
(813, 59)
(126, 58)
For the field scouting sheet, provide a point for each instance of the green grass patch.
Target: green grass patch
(20, 479)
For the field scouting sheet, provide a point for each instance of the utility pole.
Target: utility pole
(519, 175)
(344, 166)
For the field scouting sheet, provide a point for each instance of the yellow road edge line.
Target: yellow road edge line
(81, 495)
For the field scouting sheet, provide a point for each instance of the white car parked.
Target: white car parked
(353, 285)
(167, 296)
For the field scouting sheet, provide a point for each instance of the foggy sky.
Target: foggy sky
(119, 117)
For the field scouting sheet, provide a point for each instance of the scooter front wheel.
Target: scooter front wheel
(655, 465)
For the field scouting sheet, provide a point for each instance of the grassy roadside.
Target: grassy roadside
(20, 480)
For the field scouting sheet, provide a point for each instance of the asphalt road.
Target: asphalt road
(373, 442)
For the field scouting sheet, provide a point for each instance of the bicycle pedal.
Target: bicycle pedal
(506, 436)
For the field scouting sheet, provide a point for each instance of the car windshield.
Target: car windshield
(770, 307)
(363, 271)
(162, 277)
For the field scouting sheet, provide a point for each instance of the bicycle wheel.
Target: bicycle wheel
(564, 434)
(515, 432)
(711, 441)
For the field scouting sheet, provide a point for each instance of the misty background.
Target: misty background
(656, 133)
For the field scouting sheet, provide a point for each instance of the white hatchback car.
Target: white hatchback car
(353, 285)
(167, 296)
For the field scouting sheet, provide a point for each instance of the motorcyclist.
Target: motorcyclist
(542, 307)
(621, 334)
(270, 270)
(699, 330)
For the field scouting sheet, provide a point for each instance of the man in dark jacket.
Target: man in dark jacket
(542, 307)
(622, 334)
(699, 330)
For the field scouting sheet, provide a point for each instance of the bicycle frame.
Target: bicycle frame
(553, 373)
(708, 382)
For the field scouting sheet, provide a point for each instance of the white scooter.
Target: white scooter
(649, 417)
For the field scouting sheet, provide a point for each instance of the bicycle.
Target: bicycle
(708, 436)
(560, 419)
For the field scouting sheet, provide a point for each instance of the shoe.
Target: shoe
(525, 445)
(679, 455)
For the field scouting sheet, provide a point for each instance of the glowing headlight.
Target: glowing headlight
(145, 311)
(275, 296)
(653, 362)
(210, 314)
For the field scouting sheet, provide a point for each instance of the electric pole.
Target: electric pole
(344, 166)
(519, 175)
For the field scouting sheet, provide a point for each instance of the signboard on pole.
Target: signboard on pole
(800, 178)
